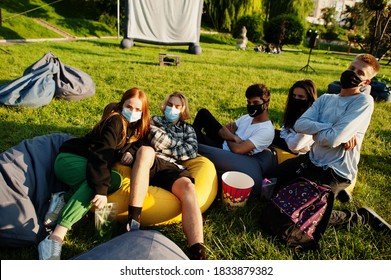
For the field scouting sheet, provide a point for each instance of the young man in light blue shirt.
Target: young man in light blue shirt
(338, 123)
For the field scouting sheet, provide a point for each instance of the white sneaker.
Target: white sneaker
(57, 202)
(49, 249)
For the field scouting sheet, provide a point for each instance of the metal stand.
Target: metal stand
(305, 68)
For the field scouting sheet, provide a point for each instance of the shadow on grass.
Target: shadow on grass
(12, 133)
(105, 44)
(8, 33)
(217, 39)
(21, 6)
(3, 82)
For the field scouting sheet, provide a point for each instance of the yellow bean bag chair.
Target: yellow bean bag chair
(161, 206)
(283, 155)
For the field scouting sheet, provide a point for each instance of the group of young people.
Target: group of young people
(326, 133)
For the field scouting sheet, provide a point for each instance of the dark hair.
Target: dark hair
(142, 125)
(292, 112)
(258, 90)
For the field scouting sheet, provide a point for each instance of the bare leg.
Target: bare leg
(140, 175)
(192, 225)
(59, 233)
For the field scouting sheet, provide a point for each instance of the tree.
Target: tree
(375, 6)
(223, 14)
(300, 8)
(328, 16)
(284, 29)
(384, 41)
(354, 17)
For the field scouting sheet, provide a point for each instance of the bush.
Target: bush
(329, 35)
(254, 26)
(284, 29)
(108, 19)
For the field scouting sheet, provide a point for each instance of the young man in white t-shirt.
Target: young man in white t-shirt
(241, 145)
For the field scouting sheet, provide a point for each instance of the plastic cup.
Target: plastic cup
(236, 188)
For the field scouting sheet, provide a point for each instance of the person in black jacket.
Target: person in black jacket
(85, 164)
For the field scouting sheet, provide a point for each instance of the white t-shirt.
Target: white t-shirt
(260, 134)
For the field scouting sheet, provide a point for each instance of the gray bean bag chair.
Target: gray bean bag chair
(26, 183)
(136, 245)
(45, 79)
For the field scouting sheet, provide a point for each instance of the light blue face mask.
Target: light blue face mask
(171, 113)
(130, 115)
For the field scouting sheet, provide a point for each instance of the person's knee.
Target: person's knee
(184, 189)
(145, 153)
(203, 112)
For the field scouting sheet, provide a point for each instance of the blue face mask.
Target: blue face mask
(130, 115)
(171, 113)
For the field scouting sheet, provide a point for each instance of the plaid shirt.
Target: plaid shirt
(174, 143)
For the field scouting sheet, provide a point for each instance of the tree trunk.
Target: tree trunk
(373, 39)
(382, 34)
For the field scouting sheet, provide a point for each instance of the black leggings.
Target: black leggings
(279, 142)
(207, 129)
(302, 166)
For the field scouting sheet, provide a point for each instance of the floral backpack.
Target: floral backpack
(298, 213)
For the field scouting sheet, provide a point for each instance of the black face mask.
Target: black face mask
(349, 79)
(255, 110)
(299, 103)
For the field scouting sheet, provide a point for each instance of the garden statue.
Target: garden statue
(241, 41)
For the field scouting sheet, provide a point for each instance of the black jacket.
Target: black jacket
(102, 151)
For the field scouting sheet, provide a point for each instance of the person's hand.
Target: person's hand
(127, 158)
(350, 144)
(99, 201)
(232, 127)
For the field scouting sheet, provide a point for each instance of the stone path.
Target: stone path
(54, 29)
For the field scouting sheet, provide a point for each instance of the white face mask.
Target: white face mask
(131, 116)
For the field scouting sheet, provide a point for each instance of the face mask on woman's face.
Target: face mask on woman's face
(131, 116)
(255, 110)
(299, 103)
(171, 113)
(349, 79)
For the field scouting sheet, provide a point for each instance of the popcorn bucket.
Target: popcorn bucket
(236, 188)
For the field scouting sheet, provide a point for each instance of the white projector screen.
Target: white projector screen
(175, 22)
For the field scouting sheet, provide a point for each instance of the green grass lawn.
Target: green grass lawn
(217, 80)
(18, 21)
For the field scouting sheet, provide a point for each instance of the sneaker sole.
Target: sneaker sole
(377, 222)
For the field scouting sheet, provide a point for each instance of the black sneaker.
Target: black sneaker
(373, 219)
(343, 218)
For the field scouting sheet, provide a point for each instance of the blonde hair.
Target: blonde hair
(185, 112)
